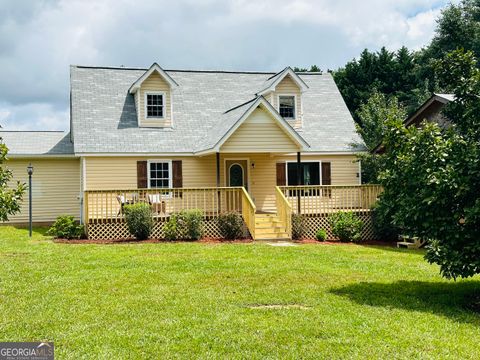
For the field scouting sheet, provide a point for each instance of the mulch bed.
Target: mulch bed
(133, 241)
(216, 241)
(336, 242)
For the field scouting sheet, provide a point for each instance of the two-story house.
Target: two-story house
(158, 130)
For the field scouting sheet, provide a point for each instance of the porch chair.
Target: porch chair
(157, 204)
(122, 200)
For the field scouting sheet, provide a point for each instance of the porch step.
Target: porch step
(269, 227)
(272, 236)
(263, 231)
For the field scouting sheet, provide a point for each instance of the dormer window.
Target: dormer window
(286, 106)
(155, 104)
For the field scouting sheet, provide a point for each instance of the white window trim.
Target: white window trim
(306, 161)
(295, 110)
(164, 105)
(170, 174)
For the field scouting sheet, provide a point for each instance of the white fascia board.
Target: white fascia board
(42, 156)
(135, 154)
(155, 67)
(288, 71)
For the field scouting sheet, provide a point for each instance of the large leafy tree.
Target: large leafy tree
(373, 116)
(431, 175)
(10, 196)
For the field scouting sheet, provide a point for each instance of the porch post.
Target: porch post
(299, 180)
(219, 204)
(218, 169)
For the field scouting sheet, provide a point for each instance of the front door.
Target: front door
(236, 173)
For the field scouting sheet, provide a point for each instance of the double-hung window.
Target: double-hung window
(155, 105)
(286, 106)
(159, 174)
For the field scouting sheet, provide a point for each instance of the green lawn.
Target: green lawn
(191, 300)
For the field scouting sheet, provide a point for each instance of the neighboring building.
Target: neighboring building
(154, 128)
(431, 110)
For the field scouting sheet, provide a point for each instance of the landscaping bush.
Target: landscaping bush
(382, 224)
(346, 226)
(230, 225)
(139, 220)
(65, 227)
(184, 225)
(298, 226)
(321, 235)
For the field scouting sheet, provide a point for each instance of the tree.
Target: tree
(373, 116)
(391, 73)
(313, 68)
(431, 176)
(457, 28)
(10, 196)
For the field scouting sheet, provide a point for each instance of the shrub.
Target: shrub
(230, 225)
(321, 235)
(184, 225)
(346, 226)
(298, 226)
(382, 224)
(139, 220)
(65, 227)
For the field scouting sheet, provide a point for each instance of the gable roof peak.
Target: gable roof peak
(275, 79)
(154, 68)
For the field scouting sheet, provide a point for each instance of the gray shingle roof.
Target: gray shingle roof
(37, 142)
(104, 118)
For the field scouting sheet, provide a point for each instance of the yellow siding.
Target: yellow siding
(56, 188)
(262, 178)
(109, 173)
(259, 133)
(288, 87)
(154, 83)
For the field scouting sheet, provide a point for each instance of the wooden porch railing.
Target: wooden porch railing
(105, 206)
(284, 210)
(320, 199)
(248, 212)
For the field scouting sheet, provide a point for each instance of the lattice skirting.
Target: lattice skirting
(119, 230)
(315, 222)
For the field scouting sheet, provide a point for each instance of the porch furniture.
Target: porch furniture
(157, 204)
(123, 200)
(410, 243)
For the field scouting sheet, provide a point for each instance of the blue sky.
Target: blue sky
(40, 39)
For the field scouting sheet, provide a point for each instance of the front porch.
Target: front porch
(104, 218)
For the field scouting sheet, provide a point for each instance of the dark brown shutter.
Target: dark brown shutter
(281, 180)
(142, 177)
(326, 173)
(177, 175)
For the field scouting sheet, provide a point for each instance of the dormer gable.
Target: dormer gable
(274, 80)
(153, 93)
(284, 91)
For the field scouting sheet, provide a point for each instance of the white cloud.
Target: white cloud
(40, 39)
(33, 116)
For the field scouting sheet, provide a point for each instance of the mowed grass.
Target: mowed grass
(193, 300)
